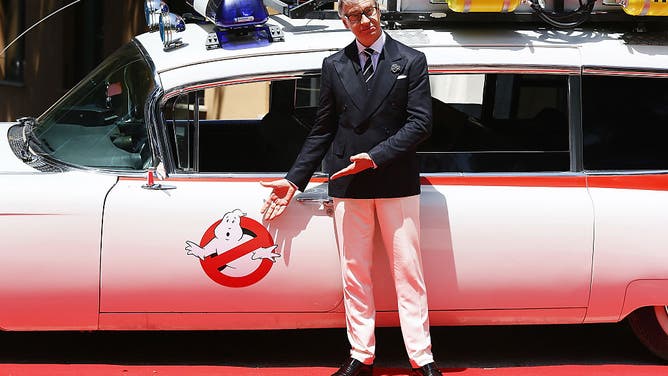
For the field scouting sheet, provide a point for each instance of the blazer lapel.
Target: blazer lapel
(350, 73)
(390, 65)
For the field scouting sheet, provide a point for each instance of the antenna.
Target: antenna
(35, 24)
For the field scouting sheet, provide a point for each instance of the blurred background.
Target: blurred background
(50, 59)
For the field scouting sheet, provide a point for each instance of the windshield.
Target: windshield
(100, 122)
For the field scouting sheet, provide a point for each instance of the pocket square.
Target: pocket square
(401, 76)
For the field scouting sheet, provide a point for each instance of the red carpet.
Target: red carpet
(114, 370)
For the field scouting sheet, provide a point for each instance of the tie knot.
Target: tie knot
(368, 52)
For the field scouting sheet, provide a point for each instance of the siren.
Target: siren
(231, 14)
(238, 23)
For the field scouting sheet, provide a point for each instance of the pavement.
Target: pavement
(557, 350)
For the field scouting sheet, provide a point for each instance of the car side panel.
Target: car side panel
(147, 268)
(50, 250)
(631, 245)
(508, 242)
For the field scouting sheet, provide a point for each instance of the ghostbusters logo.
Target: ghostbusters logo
(235, 251)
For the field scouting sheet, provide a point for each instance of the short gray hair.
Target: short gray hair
(341, 2)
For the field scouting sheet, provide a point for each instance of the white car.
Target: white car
(133, 203)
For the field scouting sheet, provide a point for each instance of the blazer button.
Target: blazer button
(387, 132)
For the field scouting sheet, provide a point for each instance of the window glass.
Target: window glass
(12, 14)
(180, 122)
(100, 122)
(625, 123)
(248, 127)
(497, 123)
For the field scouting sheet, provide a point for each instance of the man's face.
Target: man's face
(367, 28)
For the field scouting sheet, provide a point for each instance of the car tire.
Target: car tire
(650, 325)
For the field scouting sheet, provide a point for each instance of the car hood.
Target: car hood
(9, 162)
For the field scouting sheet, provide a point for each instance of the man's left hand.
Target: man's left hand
(360, 162)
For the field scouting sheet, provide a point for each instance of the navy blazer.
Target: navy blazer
(387, 120)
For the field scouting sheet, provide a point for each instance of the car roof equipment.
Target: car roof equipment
(236, 20)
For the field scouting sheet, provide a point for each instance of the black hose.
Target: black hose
(566, 20)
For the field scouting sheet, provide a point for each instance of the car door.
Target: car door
(198, 242)
(506, 225)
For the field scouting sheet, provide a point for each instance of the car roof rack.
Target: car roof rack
(636, 14)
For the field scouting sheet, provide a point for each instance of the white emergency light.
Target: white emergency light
(169, 24)
(158, 17)
(152, 11)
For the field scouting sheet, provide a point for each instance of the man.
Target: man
(375, 108)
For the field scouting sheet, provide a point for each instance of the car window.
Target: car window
(482, 123)
(497, 123)
(625, 122)
(246, 127)
(100, 122)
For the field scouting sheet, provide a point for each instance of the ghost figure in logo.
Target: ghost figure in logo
(228, 235)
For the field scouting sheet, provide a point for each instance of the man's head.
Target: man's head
(362, 17)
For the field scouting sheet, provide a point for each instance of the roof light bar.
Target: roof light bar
(231, 14)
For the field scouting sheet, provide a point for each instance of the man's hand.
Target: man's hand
(360, 162)
(281, 194)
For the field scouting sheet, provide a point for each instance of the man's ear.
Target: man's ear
(345, 23)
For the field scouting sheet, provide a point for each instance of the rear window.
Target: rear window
(625, 123)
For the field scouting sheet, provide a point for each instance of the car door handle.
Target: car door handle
(316, 194)
(158, 187)
(320, 200)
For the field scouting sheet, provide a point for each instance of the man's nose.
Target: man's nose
(365, 19)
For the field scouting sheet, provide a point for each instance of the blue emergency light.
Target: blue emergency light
(239, 23)
(233, 20)
(231, 14)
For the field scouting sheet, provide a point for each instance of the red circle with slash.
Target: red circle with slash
(212, 265)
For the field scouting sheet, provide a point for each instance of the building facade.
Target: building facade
(52, 57)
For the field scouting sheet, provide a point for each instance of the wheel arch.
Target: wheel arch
(644, 293)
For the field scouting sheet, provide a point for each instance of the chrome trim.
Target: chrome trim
(629, 72)
(624, 172)
(233, 175)
(235, 57)
(196, 153)
(504, 174)
(152, 109)
(575, 132)
(232, 80)
(553, 69)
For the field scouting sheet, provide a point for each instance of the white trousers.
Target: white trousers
(399, 222)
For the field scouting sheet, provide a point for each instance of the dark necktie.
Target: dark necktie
(367, 71)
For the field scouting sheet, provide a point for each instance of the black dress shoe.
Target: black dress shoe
(427, 370)
(353, 367)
